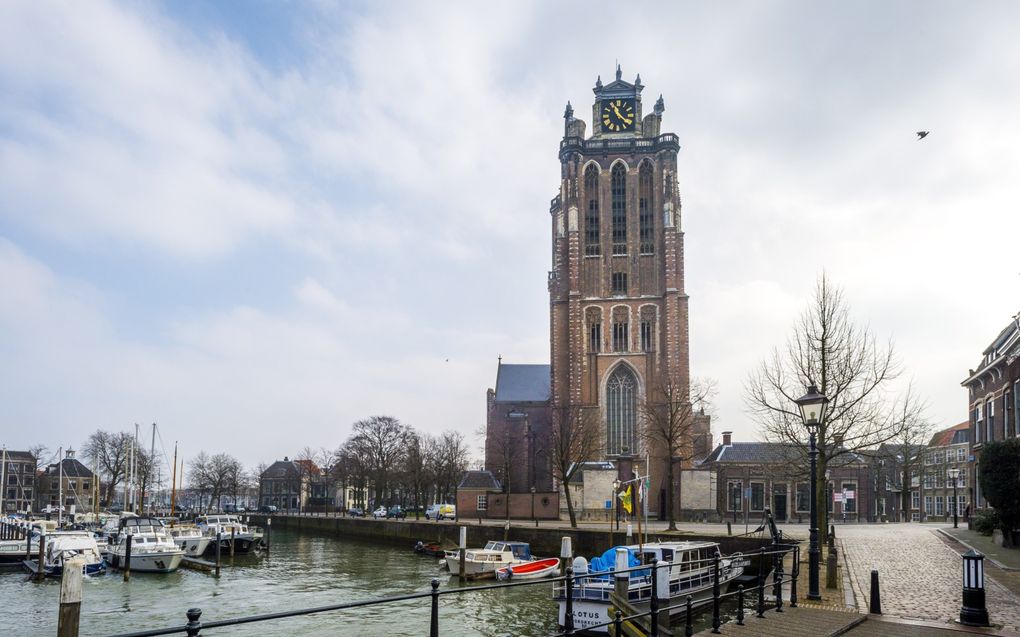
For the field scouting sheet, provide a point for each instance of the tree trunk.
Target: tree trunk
(570, 503)
(670, 514)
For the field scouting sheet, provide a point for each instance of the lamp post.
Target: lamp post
(812, 411)
(954, 473)
(616, 501)
(533, 518)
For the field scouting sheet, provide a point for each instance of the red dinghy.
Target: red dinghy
(530, 570)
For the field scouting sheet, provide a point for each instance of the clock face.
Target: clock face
(618, 115)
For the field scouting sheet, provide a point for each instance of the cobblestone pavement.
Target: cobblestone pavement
(920, 577)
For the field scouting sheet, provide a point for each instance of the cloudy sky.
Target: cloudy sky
(257, 222)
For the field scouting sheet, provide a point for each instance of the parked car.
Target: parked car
(396, 512)
(231, 508)
(267, 508)
(441, 512)
(356, 512)
(379, 513)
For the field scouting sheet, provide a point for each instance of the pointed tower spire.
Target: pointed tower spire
(660, 105)
(568, 114)
(598, 82)
(637, 82)
(619, 73)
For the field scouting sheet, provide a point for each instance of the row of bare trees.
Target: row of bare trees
(216, 476)
(397, 463)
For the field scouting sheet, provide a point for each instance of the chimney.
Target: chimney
(726, 435)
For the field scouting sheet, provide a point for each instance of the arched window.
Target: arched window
(592, 236)
(645, 222)
(619, 194)
(621, 404)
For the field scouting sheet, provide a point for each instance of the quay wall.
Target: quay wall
(544, 541)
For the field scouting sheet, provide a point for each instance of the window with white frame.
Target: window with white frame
(482, 502)
(950, 504)
(938, 505)
(914, 517)
(961, 454)
(978, 422)
(990, 420)
(757, 496)
(1016, 408)
(927, 504)
(915, 500)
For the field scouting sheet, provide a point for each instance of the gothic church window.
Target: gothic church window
(595, 338)
(619, 202)
(620, 337)
(592, 236)
(621, 403)
(646, 225)
(619, 283)
(646, 336)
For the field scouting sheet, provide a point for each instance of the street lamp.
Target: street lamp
(616, 501)
(533, 518)
(812, 411)
(954, 473)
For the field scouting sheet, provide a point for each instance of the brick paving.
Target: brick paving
(920, 576)
(794, 622)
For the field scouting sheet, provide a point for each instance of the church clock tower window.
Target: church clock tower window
(647, 230)
(592, 236)
(620, 407)
(619, 194)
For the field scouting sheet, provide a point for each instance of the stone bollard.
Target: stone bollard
(875, 603)
(830, 568)
(974, 612)
(621, 579)
(566, 553)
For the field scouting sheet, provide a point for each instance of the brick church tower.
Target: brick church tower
(618, 309)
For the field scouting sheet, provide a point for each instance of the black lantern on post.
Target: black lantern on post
(954, 473)
(812, 412)
(973, 612)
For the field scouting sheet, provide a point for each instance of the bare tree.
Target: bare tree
(380, 442)
(108, 452)
(574, 438)
(450, 462)
(670, 415)
(847, 364)
(908, 445)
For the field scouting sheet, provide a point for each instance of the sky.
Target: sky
(255, 223)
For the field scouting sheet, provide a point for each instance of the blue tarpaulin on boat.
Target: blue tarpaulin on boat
(606, 563)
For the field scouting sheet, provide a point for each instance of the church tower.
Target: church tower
(618, 309)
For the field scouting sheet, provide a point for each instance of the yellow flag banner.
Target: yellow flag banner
(625, 500)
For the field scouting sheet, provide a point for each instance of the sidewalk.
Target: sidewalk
(1006, 559)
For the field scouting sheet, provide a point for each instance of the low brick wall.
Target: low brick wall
(544, 540)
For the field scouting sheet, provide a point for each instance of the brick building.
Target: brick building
(753, 476)
(288, 484)
(70, 478)
(948, 449)
(993, 391)
(618, 306)
(18, 481)
(887, 463)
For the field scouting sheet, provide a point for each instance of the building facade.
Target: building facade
(18, 481)
(618, 306)
(754, 476)
(287, 484)
(67, 483)
(993, 391)
(948, 449)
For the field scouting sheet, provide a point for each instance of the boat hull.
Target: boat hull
(193, 546)
(162, 562)
(242, 546)
(93, 568)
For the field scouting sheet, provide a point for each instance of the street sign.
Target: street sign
(837, 497)
(848, 495)
(609, 504)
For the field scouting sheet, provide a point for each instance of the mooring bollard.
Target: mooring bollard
(194, 625)
(831, 563)
(688, 620)
(729, 528)
(70, 597)
(660, 590)
(568, 615)
(434, 622)
(269, 533)
(219, 540)
(566, 553)
(740, 605)
(621, 577)
(232, 536)
(462, 555)
(41, 573)
(127, 557)
(875, 604)
(973, 612)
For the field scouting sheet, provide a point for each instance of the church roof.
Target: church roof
(479, 480)
(522, 383)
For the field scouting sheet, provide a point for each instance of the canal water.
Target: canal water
(303, 571)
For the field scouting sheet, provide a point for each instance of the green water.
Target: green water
(302, 571)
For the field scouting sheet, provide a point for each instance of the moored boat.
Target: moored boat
(63, 545)
(690, 569)
(190, 539)
(231, 531)
(432, 549)
(484, 562)
(536, 569)
(152, 548)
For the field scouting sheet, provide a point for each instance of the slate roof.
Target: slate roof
(755, 453)
(20, 456)
(955, 435)
(72, 468)
(479, 480)
(282, 469)
(522, 383)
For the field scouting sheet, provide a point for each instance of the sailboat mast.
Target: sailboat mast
(3, 480)
(60, 486)
(173, 485)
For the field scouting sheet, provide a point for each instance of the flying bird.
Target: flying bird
(921, 134)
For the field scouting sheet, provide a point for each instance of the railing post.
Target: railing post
(194, 624)
(653, 618)
(761, 582)
(740, 605)
(688, 620)
(434, 624)
(618, 623)
(715, 594)
(568, 615)
(795, 573)
(777, 579)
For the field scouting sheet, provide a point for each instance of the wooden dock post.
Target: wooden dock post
(127, 557)
(70, 597)
(28, 542)
(232, 530)
(219, 538)
(462, 554)
(40, 572)
(566, 553)
(269, 533)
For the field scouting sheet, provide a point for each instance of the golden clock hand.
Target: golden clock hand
(617, 111)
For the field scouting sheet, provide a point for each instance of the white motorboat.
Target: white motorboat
(479, 563)
(63, 545)
(690, 570)
(190, 539)
(230, 529)
(152, 548)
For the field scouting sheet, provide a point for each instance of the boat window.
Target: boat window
(667, 554)
(522, 552)
(490, 545)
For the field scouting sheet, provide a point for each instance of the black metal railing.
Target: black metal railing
(570, 584)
